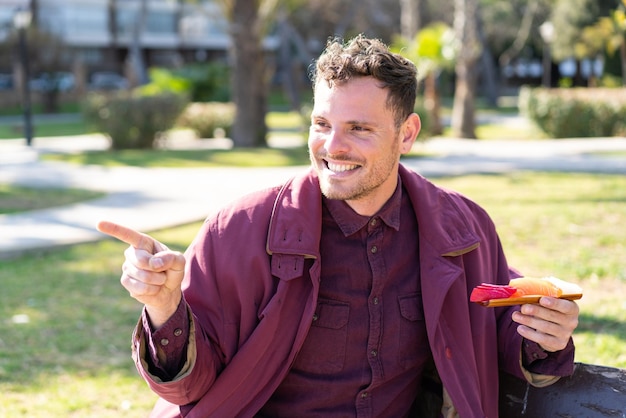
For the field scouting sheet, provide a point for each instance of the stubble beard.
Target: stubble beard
(362, 186)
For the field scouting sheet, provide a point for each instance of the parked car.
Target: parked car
(59, 81)
(107, 80)
(6, 81)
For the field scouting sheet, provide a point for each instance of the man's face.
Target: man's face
(354, 144)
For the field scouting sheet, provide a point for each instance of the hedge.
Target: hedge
(577, 112)
(206, 119)
(132, 120)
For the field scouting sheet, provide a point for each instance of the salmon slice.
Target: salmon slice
(534, 286)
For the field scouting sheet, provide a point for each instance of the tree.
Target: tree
(135, 56)
(432, 51)
(411, 17)
(570, 17)
(249, 21)
(48, 55)
(607, 33)
(469, 50)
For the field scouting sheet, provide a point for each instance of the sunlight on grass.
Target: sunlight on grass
(503, 132)
(286, 120)
(238, 157)
(19, 199)
(63, 395)
(42, 130)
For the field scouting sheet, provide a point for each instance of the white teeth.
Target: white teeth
(340, 168)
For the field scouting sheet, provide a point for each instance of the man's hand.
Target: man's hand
(151, 273)
(549, 323)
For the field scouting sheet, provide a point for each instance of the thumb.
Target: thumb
(168, 260)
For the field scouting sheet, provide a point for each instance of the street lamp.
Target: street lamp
(546, 30)
(21, 21)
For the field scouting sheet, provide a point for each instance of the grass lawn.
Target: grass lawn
(240, 157)
(65, 320)
(19, 199)
(44, 130)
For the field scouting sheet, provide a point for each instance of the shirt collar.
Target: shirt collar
(350, 222)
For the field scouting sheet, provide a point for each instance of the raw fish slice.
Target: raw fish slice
(534, 286)
(524, 290)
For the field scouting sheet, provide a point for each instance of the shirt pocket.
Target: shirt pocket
(324, 349)
(413, 341)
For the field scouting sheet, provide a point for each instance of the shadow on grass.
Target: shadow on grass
(602, 325)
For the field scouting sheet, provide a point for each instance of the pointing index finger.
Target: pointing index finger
(127, 235)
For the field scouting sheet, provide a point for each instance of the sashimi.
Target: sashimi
(524, 290)
(487, 291)
(534, 286)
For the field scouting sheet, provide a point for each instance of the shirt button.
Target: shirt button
(178, 332)
(164, 341)
(315, 317)
(364, 395)
(374, 353)
(373, 222)
(375, 301)
(374, 249)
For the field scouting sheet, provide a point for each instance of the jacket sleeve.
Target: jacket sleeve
(195, 354)
(166, 347)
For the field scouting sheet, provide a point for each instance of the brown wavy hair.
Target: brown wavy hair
(365, 57)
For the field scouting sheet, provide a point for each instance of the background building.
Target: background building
(103, 37)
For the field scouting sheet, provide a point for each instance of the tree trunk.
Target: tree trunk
(432, 103)
(410, 17)
(249, 83)
(466, 32)
(622, 51)
(136, 58)
(34, 10)
(290, 68)
(463, 109)
(489, 78)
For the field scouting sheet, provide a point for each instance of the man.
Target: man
(343, 292)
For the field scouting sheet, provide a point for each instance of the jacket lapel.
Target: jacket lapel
(444, 234)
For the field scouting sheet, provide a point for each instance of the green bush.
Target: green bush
(206, 118)
(132, 120)
(207, 82)
(580, 112)
(163, 80)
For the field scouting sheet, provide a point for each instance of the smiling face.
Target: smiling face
(355, 145)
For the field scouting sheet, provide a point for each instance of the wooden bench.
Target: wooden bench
(591, 392)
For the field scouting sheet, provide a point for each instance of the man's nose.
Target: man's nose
(336, 142)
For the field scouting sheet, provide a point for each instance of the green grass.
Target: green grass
(19, 199)
(72, 355)
(240, 157)
(286, 121)
(41, 130)
(491, 131)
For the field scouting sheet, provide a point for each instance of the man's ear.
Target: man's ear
(409, 131)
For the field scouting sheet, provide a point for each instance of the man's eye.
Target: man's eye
(359, 128)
